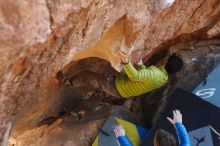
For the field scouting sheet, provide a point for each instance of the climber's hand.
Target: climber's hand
(177, 117)
(119, 131)
(123, 57)
(140, 62)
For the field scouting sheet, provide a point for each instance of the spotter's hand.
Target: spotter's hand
(177, 117)
(119, 131)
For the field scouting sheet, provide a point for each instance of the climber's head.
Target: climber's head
(173, 64)
(163, 138)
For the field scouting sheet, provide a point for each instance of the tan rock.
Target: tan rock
(40, 37)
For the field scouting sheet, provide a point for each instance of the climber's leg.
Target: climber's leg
(107, 84)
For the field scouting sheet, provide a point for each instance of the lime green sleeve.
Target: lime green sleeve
(143, 66)
(150, 73)
(131, 71)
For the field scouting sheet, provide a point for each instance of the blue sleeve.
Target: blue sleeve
(123, 140)
(182, 134)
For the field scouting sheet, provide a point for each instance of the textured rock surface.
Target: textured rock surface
(57, 134)
(40, 37)
(200, 58)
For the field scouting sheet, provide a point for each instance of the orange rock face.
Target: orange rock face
(40, 37)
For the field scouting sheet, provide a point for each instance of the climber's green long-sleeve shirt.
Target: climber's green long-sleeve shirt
(137, 82)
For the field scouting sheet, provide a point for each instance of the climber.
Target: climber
(133, 82)
(161, 138)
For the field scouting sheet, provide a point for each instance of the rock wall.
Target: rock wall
(40, 37)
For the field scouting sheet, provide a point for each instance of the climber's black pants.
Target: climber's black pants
(96, 80)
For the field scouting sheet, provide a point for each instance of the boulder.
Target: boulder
(38, 38)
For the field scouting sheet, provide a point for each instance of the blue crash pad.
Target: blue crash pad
(210, 89)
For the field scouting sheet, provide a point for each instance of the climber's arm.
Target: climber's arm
(143, 74)
(131, 71)
(139, 75)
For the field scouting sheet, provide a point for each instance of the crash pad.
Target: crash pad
(106, 136)
(201, 137)
(209, 89)
(197, 113)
